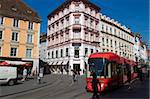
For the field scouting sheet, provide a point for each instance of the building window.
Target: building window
(1, 35)
(30, 26)
(48, 54)
(29, 53)
(119, 33)
(76, 52)
(14, 36)
(114, 31)
(110, 30)
(76, 7)
(67, 51)
(52, 54)
(77, 20)
(103, 41)
(0, 51)
(107, 41)
(103, 50)
(67, 21)
(115, 43)
(76, 34)
(102, 27)
(61, 52)
(13, 52)
(111, 43)
(29, 38)
(106, 28)
(86, 51)
(86, 20)
(1, 20)
(91, 51)
(56, 53)
(91, 23)
(15, 23)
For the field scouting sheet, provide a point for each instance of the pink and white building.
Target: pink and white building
(76, 29)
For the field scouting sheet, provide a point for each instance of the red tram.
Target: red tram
(111, 70)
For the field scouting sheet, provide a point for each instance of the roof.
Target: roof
(19, 10)
(113, 57)
(108, 55)
(68, 2)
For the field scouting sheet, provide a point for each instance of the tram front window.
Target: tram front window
(97, 65)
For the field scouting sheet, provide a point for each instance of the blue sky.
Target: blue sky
(131, 13)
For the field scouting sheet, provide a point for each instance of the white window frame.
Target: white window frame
(77, 20)
(29, 26)
(1, 20)
(2, 35)
(15, 36)
(31, 39)
(77, 34)
(14, 20)
(29, 53)
(1, 51)
(16, 52)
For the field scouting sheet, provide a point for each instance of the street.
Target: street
(62, 87)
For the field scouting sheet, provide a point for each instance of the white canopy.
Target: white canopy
(65, 62)
(59, 63)
(16, 62)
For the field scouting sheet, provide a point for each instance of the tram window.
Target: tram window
(97, 66)
(108, 70)
(114, 69)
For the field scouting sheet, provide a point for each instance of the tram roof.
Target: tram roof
(108, 55)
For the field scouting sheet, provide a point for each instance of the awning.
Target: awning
(55, 63)
(4, 63)
(59, 63)
(19, 63)
(50, 63)
(16, 62)
(65, 62)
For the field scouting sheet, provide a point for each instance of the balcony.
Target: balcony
(76, 27)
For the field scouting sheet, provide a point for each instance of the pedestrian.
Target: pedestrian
(61, 70)
(24, 74)
(74, 76)
(140, 74)
(95, 83)
(129, 78)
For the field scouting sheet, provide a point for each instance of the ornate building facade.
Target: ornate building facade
(19, 34)
(76, 29)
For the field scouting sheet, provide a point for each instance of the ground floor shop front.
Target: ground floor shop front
(68, 66)
(32, 65)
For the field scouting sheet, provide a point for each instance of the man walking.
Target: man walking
(95, 83)
(129, 78)
(74, 76)
(24, 74)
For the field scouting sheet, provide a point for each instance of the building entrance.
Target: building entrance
(76, 67)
